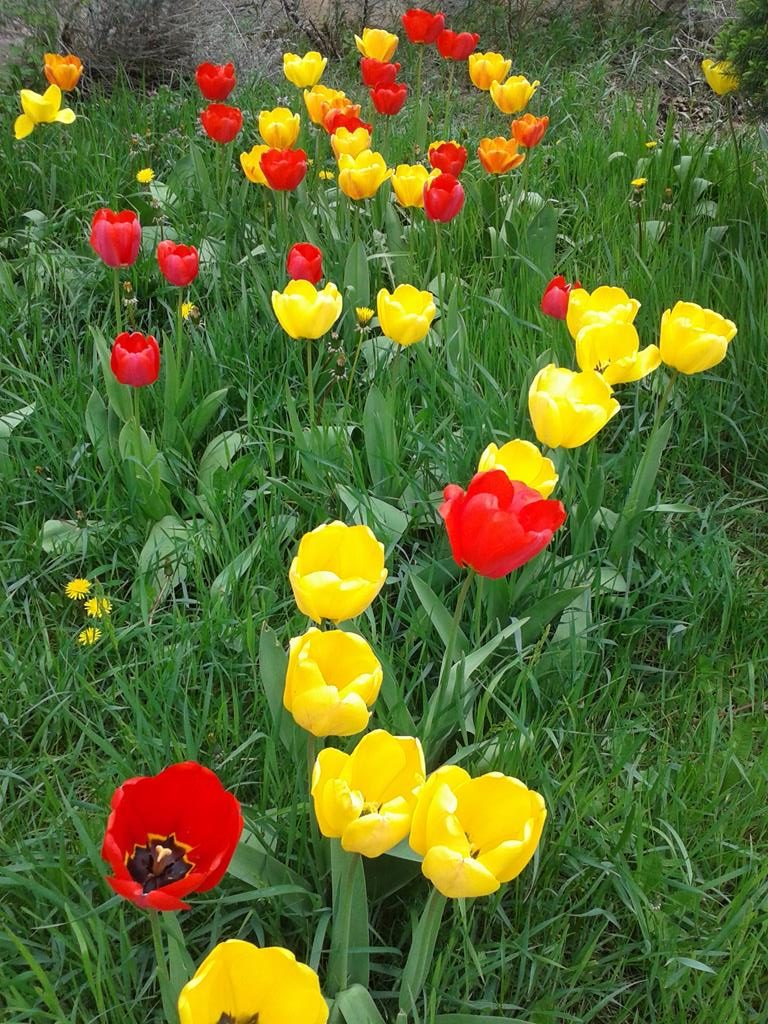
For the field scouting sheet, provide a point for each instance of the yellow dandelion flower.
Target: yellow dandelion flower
(639, 182)
(189, 309)
(88, 636)
(651, 144)
(145, 175)
(326, 175)
(77, 589)
(363, 314)
(98, 607)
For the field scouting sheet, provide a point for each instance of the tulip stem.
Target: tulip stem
(663, 402)
(421, 116)
(310, 385)
(118, 304)
(360, 335)
(167, 996)
(179, 327)
(421, 953)
(343, 899)
(732, 126)
(451, 645)
(440, 289)
(448, 96)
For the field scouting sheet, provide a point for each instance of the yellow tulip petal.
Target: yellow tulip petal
(625, 371)
(65, 116)
(455, 876)
(23, 126)
(324, 713)
(375, 834)
(450, 775)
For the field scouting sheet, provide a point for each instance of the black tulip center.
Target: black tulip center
(160, 862)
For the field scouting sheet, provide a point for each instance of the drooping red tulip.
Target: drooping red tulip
(135, 359)
(304, 263)
(169, 835)
(221, 123)
(498, 524)
(457, 45)
(284, 169)
(449, 157)
(389, 99)
(377, 72)
(443, 197)
(116, 236)
(336, 119)
(421, 26)
(215, 81)
(178, 264)
(554, 301)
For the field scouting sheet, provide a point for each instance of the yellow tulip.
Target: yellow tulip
(694, 339)
(721, 76)
(367, 798)
(306, 71)
(320, 99)
(408, 183)
(343, 141)
(521, 461)
(279, 127)
(238, 981)
(487, 68)
(64, 71)
(333, 678)
(361, 176)
(251, 164)
(632, 368)
(305, 312)
(406, 314)
(337, 571)
(45, 109)
(475, 834)
(377, 43)
(513, 95)
(567, 408)
(604, 305)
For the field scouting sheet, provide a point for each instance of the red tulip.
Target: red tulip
(443, 197)
(554, 301)
(284, 169)
(304, 263)
(221, 123)
(389, 99)
(178, 263)
(498, 524)
(169, 835)
(336, 119)
(449, 157)
(456, 45)
(116, 237)
(377, 72)
(421, 26)
(135, 359)
(215, 81)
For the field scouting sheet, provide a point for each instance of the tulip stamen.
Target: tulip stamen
(160, 862)
(227, 1018)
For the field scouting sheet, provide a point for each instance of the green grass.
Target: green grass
(638, 714)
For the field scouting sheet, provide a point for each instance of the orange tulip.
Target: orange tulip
(499, 155)
(63, 71)
(528, 130)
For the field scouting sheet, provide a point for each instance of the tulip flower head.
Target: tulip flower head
(116, 237)
(498, 524)
(721, 76)
(389, 99)
(513, 95)
(135, 359)
(605, 304)
(377, 72)
(304, 263)
(528, 131)
(361, 176)
(486, 68)
(178, 263)
(304, 72)
(456, 45)
(238, 981)
(408, 183)
(221, 123)
(279, 128)
(366, 798)
(215, 81)
(251, 164)
(421, 26)
(62, 70)
(521, 461)
(694, 339)
(448, 157)
(338, 569)
(169, 835)
(346, 117)
(45, 109)
(377, 43)
(566, 408)
(304, 312)
(406, 314)
(499, 155)
(284, 169)
(443, 197)
(350, 141)
(554, 301)
(320, 99)
(475, 834)
(332, 680)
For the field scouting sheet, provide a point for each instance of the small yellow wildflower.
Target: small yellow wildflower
(638, 182)
(651, 144)
(363, 314)
(326, 175)
(189, 309)
(88, 636)
(145, 175)
(77, 589)
(98, 607)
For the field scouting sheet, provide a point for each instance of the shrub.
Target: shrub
(744, 42)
